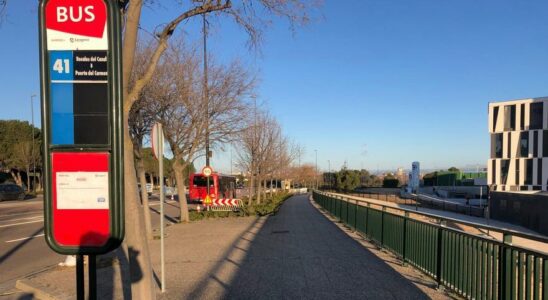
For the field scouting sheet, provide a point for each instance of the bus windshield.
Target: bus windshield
(201, 181)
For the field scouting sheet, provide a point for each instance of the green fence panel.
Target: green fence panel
(545, 279)
(393, 233)
(337, 209)
(374, 225)
(422, 244)
(344, 212)
(361, 211)
(352, 215)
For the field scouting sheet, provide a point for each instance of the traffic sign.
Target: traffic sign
(207, 200)
(82, 122)
(207, 171)
(157, 138)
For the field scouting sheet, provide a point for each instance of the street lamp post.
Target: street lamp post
(206, 98)
(32, 144)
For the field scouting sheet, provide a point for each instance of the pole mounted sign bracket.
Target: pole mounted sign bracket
(82, 117)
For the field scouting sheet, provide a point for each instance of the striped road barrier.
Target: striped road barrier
(226, 204)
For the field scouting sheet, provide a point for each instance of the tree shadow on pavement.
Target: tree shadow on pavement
(171, 219)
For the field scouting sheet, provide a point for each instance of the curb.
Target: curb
(24, 286)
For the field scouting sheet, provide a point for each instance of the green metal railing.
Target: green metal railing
(472, 266)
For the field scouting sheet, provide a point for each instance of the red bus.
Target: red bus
(220, 187)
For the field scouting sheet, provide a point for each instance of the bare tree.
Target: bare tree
(180, 107)
(24, 156)
(3, 5)
(261, 151)
(244, 13)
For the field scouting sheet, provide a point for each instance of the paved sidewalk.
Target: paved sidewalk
(298, 253)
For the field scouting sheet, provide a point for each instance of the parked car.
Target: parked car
(11, 192)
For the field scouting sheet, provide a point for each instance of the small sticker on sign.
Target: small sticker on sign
(82, 190)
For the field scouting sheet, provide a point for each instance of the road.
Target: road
(23, 249)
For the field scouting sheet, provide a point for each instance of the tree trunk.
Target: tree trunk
(178, 169)
(271, 186)
(264, 189)
(19, 179)
(140, 266)
(16, 177)
(28, 178)
(251, 189)
(39, 183)
(144, 197)
(259, 190)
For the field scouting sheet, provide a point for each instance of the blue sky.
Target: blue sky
(376, 83)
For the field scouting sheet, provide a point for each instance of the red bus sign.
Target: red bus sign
(73, 24)
(82, 113)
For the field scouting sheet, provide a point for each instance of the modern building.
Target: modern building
(519, 145)
(414, 177)
(518, 164)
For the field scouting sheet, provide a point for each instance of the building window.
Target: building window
(509, 117)
(535, 115)
(495, 117)
(535, 143)
(509, 144)
(539, 171)
(496, 145)
(493, 172)
(545, 143)
(522, 117)
(504, 166)
(528, 172)
(524, 144)
(517, 172)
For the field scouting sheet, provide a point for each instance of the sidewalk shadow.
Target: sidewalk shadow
(112, 267)
(298, 253)
(171, 219)
(19, 246)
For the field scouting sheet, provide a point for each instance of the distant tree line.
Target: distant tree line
(20, 153)
(347, 180)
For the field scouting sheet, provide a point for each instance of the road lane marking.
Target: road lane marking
(25, 238)
(27, 218)
(22, 223)
(21, 214)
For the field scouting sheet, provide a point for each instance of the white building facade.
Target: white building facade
(519, 145)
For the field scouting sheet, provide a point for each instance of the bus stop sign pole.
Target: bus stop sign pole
(81, 101)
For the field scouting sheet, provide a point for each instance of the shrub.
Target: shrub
(268, 206)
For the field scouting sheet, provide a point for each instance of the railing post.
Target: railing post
(439, 252)
(382, 225)
(404, 256)
(347, 204)
(356, 216)
(367, 219)
(503, 267)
